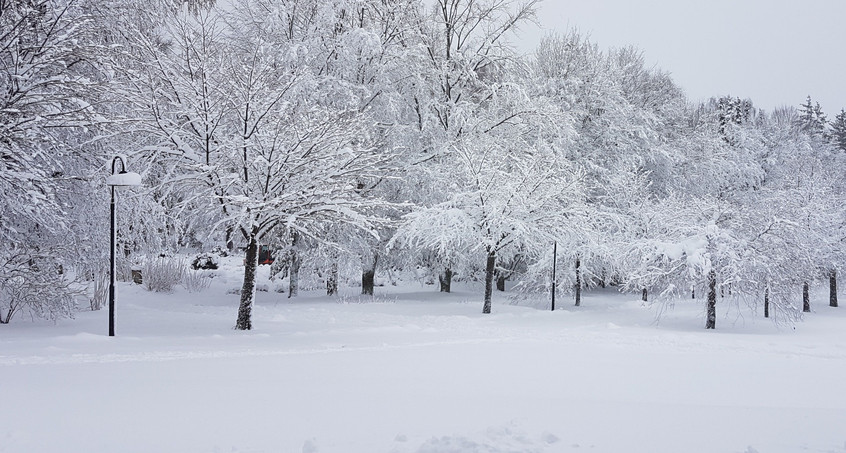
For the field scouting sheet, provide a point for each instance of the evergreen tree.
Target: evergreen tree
(838, 130)
(812, 119)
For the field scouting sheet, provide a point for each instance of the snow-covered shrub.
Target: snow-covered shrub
(220, 251)
(195, 281)
(362, 299)
(100, 290)
(36, 286)
(123, 268)
(162, 274)
(204, 261)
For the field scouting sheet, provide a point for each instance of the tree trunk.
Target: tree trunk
(230, 242)
(489, 276)
(832, 288)
(806, 298)
(445, 280)
(693, 292)
(294, 276)
(767, 303)
(711, 322)
(368, 276)
(332, 280)
(603, 278)
(294, 267)
(500, 282)
(644, 297)
(578, 285)
(248, 289)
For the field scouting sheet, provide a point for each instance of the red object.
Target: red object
(265, 256)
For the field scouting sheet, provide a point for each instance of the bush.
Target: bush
(162, 274)
(33, 285)
(196, 281)
(220, 251)
(204, 261)
(100, 290)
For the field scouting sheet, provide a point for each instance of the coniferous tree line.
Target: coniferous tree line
(363, 137)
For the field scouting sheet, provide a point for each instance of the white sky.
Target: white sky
(775, 52)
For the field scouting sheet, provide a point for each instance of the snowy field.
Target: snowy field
(415, 371)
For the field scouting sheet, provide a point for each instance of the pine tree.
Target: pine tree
(838, 130)
(732, 112)
(812, 119)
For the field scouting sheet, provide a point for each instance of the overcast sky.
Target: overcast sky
(775, 52)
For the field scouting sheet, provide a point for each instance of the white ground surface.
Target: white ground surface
(414, 371)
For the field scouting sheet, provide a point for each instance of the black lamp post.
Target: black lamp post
(120, 179)
(554, 259)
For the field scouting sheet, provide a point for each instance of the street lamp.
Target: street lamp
(120, 179)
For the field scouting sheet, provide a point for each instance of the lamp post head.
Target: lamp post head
(123, 178)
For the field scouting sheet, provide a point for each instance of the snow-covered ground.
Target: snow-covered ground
(415, 371)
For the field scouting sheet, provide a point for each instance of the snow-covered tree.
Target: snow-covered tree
(459, 64)
(624, 115)
(838, 130)
(255, 128)
(510, 190)
(812, 119)
(46, 83)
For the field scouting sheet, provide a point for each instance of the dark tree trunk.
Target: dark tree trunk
(294, 267)
(603, 277)
(294, 276)
(445, 280)
(645, 296)
(368, 277)
(230, 242)
(767, 303)
(806, 298)
(578, 285)
(711, 322)
(332, 280)
(248, 289)
(832, 288)
(693, 292)
(489, 276)
(500, 282)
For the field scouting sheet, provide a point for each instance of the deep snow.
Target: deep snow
(415, 371)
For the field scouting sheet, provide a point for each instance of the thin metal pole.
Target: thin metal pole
(554, 259)
(112, 267)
